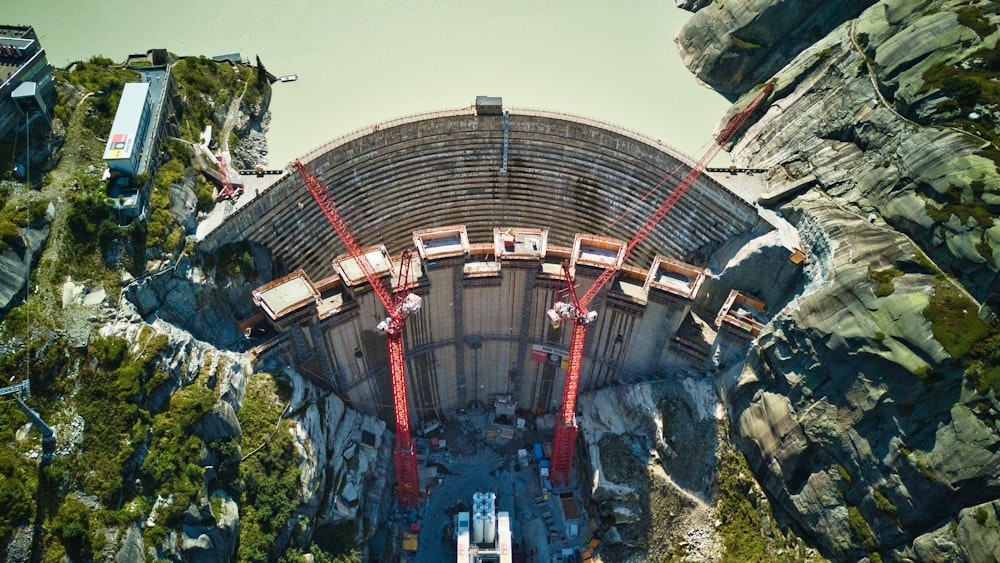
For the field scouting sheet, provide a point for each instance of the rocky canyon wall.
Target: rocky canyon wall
(867, 422)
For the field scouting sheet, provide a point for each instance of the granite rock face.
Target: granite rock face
(18, 255)
(860, 409)
(732, 46)
(856, 419)
(882, 149)
(344, 459)
(207, 304)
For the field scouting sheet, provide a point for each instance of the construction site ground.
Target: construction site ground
(472, 463)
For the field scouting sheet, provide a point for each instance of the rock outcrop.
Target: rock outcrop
(18, 255)
(858, 421)
(855, 111)
(207, 304)
(344, 459)
(651, 451)
(734, 45)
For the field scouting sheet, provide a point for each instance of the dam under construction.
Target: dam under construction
(483, 212)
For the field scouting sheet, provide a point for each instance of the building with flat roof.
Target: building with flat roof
(22, 61)
(128, 132)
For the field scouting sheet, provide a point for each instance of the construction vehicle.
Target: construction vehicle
(399, 305)
(576, 310)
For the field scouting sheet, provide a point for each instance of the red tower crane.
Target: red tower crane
(398, 308)
(564, 438)
(230, 190)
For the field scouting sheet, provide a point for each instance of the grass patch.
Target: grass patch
(954, 319)
(271, 476)
(203, 84)
(859, 527)
(974, 83)
(963, 211)
(18, 477)
(172, 466)
(981, 516)
(844, 475)
(986, 251)
(884, 504)
(984, 369)
(106, 80)
(883, 279)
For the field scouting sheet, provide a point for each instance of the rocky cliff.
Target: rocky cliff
(871, 420)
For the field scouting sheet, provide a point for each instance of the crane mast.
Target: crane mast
(564, 436)
(398, 308)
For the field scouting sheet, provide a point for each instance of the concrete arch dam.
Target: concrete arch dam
(494, 203)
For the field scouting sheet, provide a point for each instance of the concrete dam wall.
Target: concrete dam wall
(482, 331)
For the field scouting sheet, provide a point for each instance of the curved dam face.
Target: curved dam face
(494, 204)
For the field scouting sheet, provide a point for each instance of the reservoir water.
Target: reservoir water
(363, 62)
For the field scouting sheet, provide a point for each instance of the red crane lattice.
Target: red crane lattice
(230, 190)
(398, 308)
(564, 437)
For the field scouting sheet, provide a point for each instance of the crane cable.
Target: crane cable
(636, 203)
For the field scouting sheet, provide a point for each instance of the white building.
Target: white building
(128, 131)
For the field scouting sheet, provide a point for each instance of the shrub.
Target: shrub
(71, 524)
(972, 18)
(270, 476)
(981, 515)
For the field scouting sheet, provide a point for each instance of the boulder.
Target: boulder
(219, 424)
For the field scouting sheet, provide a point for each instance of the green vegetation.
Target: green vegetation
(17, 477)
(981, 515)
(954, 318)
(743, 45)
(884, 504)
(844, 475)
(963, 211)
(16, 216)
(970, 84)
(884, 280)
(233, 260)
(972, 18)
(619, 463)
(984, 369)
(138, 442)
(202, 83)
(111, 386)
(859, 527)
(748, 529)
(296, 555)
(71, 525)
(172, 466)
(270, 476)
(106, 80)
